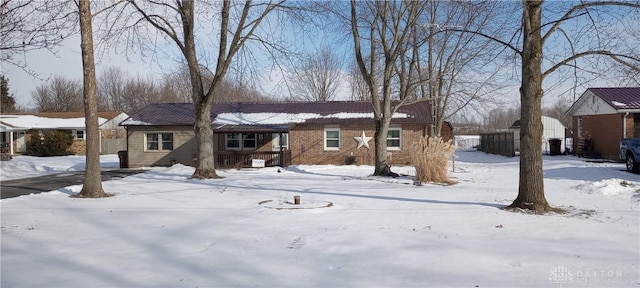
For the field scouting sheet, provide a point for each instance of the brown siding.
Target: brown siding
(184, 147)
(605, 131)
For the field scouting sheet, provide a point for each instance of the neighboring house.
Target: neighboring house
(552, 129)
(603, 116)
(16, 128)
(337, 132)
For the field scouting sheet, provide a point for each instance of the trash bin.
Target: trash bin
(124, 159)
(554, 146)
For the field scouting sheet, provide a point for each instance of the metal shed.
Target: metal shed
(552, 129)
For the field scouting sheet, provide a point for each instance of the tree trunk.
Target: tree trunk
(205, 164)
(380, 138)
(92, 187)
(382, 167)
(531, 185)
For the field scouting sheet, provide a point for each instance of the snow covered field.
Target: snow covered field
(163, 229)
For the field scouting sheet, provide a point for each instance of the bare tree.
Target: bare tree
(111, 84)
(176, 87)
(357, 85)
(120, 91)
(557, 111)
(319, 77)
(237, 25)
(92, 186)
(501, 118)
(587, 49)
(454, 69)
(58, 95)
(137, 93)
(531, 184)
(388, 27)
(36, 24)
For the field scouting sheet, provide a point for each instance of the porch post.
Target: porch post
(281, 151)
(11, 143)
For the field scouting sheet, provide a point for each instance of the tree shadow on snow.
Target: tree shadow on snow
(389, 198)
(589, 173)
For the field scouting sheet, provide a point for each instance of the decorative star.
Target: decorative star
(363, 140)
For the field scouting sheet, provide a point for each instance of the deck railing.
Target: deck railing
(242, 159)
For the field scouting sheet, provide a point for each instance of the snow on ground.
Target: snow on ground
(466, 142)
(31, 166)
(163, 229)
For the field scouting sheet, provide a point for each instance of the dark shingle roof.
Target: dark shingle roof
(180, 114)
(619, 98)
(65, 115)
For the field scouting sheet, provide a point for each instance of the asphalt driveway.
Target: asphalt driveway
(26, 186)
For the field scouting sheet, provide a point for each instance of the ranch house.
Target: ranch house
(274, 134)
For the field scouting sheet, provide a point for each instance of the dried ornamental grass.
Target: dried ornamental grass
(430, 155)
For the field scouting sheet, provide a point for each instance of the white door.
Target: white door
(276, 141)
(21, 142)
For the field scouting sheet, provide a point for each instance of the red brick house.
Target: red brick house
(337, 132)
(604, 116)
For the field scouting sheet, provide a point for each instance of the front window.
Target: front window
(159, 141)
(249, 141)
(79, 134)
(394, 139)
(232, 141)
(332, 139)
(241, 141)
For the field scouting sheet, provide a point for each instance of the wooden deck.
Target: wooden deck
(243, 159)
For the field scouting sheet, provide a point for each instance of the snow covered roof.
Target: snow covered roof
(272, 116)
(27, 122)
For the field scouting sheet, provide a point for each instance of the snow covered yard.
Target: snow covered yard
(164, 230)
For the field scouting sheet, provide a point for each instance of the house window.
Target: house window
(232, 141)
(159, 141)
(249, 141)
(241, 141)
(79, 134)
(394, 137)
(331, 138)
(276, 141)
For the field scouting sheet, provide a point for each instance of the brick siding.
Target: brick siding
(605, 131)
(307, 144)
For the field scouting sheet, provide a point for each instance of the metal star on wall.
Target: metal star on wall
(363, 140)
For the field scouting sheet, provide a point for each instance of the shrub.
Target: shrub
(50, 143)
(430, 156)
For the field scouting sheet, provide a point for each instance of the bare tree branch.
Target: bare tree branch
(617, 57)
